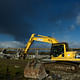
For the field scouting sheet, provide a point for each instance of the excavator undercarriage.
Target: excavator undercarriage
(62, 66)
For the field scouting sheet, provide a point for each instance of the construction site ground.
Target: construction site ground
(14, 70)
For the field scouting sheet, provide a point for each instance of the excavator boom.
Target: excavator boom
(40, 38)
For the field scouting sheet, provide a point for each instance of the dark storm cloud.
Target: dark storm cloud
(12, 13)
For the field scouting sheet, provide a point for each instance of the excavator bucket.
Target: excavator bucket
(35, 70)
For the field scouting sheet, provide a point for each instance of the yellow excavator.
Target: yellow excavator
(65, 58)
(59, 51)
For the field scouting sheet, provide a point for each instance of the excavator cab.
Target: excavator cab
(58, 49)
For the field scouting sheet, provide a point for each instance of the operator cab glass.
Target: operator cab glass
(58, 49)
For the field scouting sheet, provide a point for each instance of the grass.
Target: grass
(12, 69)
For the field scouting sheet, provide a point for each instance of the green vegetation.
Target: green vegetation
(12, 69)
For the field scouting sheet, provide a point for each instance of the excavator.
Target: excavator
(61, 57)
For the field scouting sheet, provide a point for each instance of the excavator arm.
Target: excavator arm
(40, 38)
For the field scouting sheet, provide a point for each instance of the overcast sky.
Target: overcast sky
(56, 18)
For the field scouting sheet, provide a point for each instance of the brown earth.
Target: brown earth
(13, 70)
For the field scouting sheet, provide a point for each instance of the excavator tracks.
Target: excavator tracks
(62, 66)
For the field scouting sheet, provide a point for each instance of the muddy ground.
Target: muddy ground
(13, 70)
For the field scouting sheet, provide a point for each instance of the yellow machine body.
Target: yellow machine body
(68, 55)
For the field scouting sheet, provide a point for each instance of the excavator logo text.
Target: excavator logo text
(40, 39)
